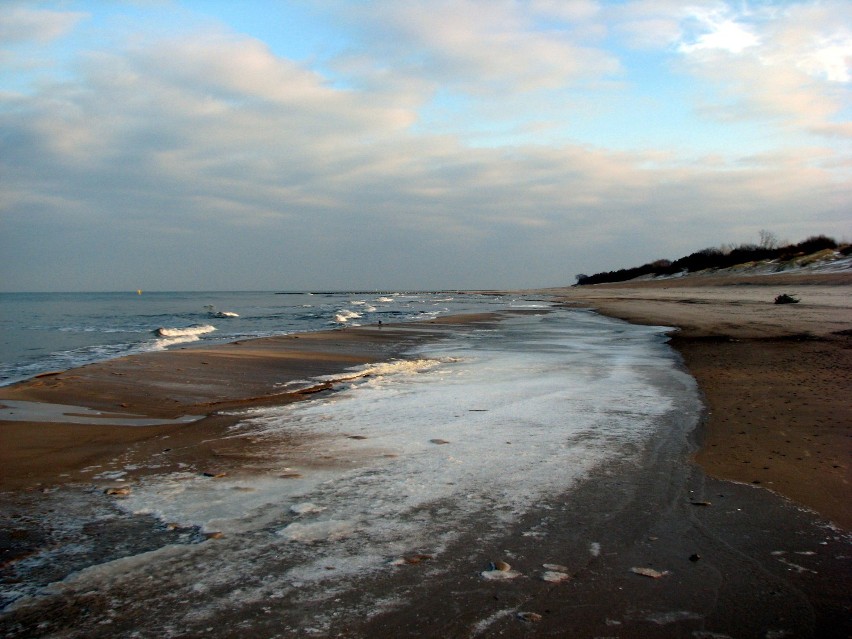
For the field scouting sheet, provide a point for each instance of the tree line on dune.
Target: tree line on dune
(716, 258)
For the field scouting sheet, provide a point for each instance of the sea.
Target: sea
(42, 332)
(366, 495)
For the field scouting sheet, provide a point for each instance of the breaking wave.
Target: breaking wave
(172, 336)
(344, 316)
(185, 332)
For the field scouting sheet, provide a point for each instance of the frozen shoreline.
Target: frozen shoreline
(635, 511)
(775, 377)
(483, 427)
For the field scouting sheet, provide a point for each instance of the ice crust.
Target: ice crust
(524, 411)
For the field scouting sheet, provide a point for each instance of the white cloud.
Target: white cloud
(766, 63)
(717, 30)
(831, 58)
(308, 180)
(652, 24)
(481, 47)
(19, 23)
(177, 151)
(815, 39)
(569, 10)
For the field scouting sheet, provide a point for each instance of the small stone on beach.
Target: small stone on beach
(649, 572)
(529, 616)
(438, 441)
(411, 560)
(555, 576)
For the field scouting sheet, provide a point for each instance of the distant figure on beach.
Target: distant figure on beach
(380, 323)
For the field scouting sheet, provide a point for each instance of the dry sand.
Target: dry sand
(776, 377)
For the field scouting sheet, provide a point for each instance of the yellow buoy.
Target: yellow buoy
(139, 292)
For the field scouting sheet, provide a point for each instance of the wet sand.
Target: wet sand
(212, 383)
(775, 377)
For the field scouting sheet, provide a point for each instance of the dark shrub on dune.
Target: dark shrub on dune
(811, 245)
(713, 258)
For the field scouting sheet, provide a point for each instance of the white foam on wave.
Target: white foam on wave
(172, 336)
(529, 305)
(375, 373)
(342, 317)
(185, 332)
(474, 433)
(379, 371)
(100, 329)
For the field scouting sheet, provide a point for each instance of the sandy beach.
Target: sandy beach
(200, 382)
(775, 377)
(723, 558)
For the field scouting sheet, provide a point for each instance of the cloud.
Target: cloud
(208, 161)
(784, 64)
(650, 24)
(717, 30)
(483, 48)
(571, 11)
(816, 39)
(19, 23)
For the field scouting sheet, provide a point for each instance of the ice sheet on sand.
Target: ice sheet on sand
(526, 411)
(328, 530)
(527, 408)
(500, 575)
(222, 504)
(305, 508)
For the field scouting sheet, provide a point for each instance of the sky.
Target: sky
(411, 144)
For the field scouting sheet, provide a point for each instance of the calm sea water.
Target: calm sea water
(42, 332)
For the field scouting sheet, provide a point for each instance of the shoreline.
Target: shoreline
(722, 547)
(215, 383)
(774, 378)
